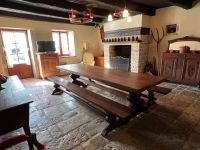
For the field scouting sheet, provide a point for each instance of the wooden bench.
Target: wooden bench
(157, 89)
(116, 113)
(150, 96)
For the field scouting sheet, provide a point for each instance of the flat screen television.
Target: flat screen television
(46, 46)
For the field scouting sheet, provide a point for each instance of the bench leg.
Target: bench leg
(75, 81)
(137, 103)
(112, 124)
(57, 91)
(151, 98)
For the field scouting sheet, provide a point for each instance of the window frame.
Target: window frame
(60, 42)
(16, 30)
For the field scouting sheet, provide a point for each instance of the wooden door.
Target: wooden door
(191, 69)
(17, 53)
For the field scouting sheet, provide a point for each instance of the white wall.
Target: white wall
(41, 30)
(187, 20)
(137, 21)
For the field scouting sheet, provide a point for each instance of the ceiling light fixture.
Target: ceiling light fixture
(123, 13)
(110, 17)
(87, 15)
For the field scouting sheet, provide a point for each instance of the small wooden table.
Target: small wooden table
(134, 83)
(14, 108)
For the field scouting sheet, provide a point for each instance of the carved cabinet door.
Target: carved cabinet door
(191, 69)
(169, 62)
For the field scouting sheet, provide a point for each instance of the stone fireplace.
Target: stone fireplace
(120, 57)
(137, 58)
(134, 35)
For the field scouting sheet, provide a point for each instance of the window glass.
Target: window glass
(64, 43)
(56, 39)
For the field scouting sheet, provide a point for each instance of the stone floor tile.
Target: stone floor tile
(172, 138)
(197, 128)
(193, 143)
(191, 93)
(73, 123)
(98, 142)
(44, 136)
(63, 123)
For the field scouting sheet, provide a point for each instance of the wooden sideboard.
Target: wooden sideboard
(181, 68)
(47, 64)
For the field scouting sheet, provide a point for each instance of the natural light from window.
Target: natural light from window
(64, 42)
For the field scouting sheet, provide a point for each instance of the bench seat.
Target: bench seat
(117, 114)
(161, 90)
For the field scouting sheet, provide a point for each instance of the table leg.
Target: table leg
(151, 98)
(28, 132)
(137, 103)
(75, 81)
(57, 91)
(32, 140)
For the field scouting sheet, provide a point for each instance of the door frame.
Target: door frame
(27, 39)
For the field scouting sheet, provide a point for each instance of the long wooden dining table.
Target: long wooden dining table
(130, 83)
(134, 83)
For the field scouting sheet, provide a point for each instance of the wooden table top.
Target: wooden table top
(14, 94)
(124, 80)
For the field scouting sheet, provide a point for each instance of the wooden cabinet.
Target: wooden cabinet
(181, 68)
(47, 64)
(99, 61)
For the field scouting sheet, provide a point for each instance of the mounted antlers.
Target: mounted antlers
(158, 41)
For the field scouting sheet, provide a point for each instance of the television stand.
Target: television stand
(47, 64)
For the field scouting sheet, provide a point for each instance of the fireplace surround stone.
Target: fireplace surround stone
(138, 58)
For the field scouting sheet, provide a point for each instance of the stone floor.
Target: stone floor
(62, 123)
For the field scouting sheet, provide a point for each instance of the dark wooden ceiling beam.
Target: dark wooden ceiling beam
(113, 4)
(33, 9)
(69, 5)
(36, 17)
(186, 4)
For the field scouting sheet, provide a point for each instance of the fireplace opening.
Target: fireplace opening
(120, 57)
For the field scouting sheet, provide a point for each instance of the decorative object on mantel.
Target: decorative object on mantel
(123, 39)
(123, 35)
(87, 15)
(122, 13)
(3, 79)
(158, 41)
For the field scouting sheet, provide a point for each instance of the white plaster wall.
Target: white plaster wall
(187, 20)
(123, 24)
(41, 30)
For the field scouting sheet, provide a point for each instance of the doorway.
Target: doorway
(16, 47)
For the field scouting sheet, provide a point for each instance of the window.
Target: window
(64, 42)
